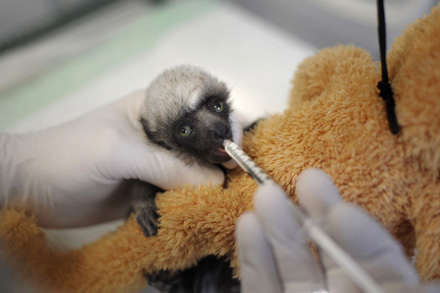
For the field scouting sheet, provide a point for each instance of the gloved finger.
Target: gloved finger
(236, 128)
(171, 172)
(370, 245)
(257, 265)
(237, 134)
(316, 192)
(137, 160)
(351, 228)
(298, 269)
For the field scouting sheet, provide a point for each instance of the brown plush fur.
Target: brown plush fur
(335, 121)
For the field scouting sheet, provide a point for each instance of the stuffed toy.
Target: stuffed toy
(335, 121)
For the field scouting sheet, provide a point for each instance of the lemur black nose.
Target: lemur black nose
(220, 133)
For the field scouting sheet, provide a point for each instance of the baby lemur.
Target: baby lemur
(186, 112)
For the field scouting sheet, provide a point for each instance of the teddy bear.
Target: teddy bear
(335, 121)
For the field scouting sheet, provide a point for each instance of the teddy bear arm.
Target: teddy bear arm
(111, 264)
(194, 223)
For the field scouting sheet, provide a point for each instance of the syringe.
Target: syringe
(316, 234)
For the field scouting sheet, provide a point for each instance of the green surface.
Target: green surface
(134, 40)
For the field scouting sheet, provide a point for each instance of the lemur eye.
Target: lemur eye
(219, 106)
(185, 130)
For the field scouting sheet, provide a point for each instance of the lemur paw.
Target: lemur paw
(148, 218)
(144, 206)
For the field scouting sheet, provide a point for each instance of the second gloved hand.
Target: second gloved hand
(274, 251)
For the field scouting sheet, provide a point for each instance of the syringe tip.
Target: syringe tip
(226, 142)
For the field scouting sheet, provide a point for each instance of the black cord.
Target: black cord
(386, 91)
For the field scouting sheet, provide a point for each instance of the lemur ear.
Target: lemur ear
(237, 134)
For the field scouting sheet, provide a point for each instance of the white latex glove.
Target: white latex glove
(275, 256)
(237, 135)
(73, 175)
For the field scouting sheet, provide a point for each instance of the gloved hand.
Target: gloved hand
(73, 175)
(274, 252)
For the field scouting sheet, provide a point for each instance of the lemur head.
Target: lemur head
(186, 111)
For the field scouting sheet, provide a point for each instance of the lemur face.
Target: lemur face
(201, 132)
(187, 112)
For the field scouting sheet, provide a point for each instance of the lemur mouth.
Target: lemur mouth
(221, 149)
(221, 152)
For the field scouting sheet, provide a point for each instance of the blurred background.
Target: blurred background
(84, 53)
(62, 58)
